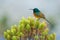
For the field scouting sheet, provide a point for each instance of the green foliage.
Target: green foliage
(37, 23)
(27, 28)
(36, 37)
(14, 38)
(5, 34)
(21, 27)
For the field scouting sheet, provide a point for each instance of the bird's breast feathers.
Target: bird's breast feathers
(39, 15)
(36, 15)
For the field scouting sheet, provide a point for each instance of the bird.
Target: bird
(38, 14)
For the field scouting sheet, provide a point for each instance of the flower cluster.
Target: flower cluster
(29, 29)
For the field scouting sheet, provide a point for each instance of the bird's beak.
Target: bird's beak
(30, 9)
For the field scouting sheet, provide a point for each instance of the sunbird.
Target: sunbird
(38, 14)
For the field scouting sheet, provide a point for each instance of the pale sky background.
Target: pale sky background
(15, 9)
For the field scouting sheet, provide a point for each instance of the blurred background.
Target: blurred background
(11, 11)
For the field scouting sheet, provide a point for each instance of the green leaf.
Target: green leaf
(14, 38)
(8, 31)
(21, 27)
(20, 34)
(41, 25)
(28, 27)
(13, 31)
(8, 36)
(5, 34)
(37, 24)
(36, 37)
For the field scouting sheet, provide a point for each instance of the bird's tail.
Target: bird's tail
(49, 22)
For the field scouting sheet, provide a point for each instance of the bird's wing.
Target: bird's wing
(42, 15)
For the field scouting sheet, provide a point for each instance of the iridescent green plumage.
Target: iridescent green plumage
(36, 11)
